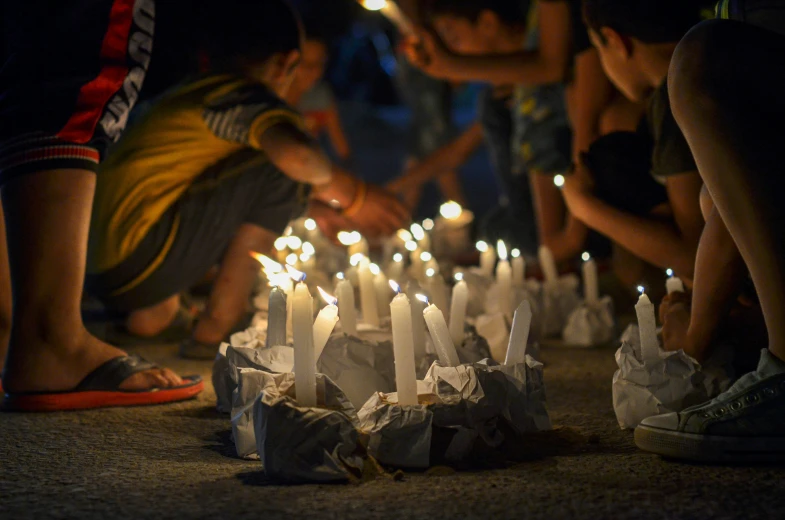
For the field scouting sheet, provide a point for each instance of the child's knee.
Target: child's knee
(706, 202)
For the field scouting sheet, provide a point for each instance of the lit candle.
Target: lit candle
(460, 299)
(352, 273)
(304, 360)
(418, 320)
(414, 259)
(276, 318)
(419, 234)
(440, 334)
(674, 284)
(382, 290)
(518, 267)
(354, 242)
(403, 348)
(487, 258)
(504, 279)
(548, 265)
(451, 210)
(281, 248)
(519, 336)
(392, 12)
(312, 228)
(591, 286)
(324, 324)
(647, 325)
(396, 267)
(344, 292)
(437, 288)
(370, 311)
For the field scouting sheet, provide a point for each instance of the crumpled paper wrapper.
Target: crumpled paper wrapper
(590, 325)
(559, 300)
(470, 398)
(675, 382)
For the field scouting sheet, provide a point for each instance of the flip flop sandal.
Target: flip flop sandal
(180, 328)
(193, 349)
(100, 389)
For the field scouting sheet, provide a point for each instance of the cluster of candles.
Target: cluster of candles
(647, 321)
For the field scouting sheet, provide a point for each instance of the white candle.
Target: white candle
(504, 280)
(591, 286)
(460, 298)
(419, 234)
(304, 361)
(418, 320)
(403, 349)
(548, 265)
(370, 311)
(344, 292)
(674, 284)
(487, 258)
(276, 318)
(647, 325)
(395, 269)
(437, 288)
(518, 267)
(382, 291)
(519, 336)
(440, 335)
(324, 324)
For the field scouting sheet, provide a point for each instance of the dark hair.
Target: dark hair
(248, 32)
(650, 21)
(513, 12)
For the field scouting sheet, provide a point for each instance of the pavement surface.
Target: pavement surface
(177, 461)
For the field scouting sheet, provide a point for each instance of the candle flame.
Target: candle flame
(356, 259)
(430, 272)
(280, 243)
(340, 276)
(404, 235)
(669, 272)
(308, 249)
(374, 269)
(310, 224)
(417, 232)
(482, 246)
(329, 299)
(374, 5)
(270, 265)
(423, 298)
(288, 231)
(641, 289)
(291, 259)
(395, 287)
(502, 250)
(294, 242)
(458, 277)
(305, 257)
(427, 224)
(586, 256)
(297, 276)
(425, 256)
(397, 257)
(411, 245)
(349, 239)
(558, 180)
(515, 253)
(451, 210)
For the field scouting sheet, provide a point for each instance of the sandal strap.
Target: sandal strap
(111, 374)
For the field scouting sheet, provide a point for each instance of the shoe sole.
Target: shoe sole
(709, 448)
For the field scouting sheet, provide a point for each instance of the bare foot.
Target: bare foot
(36, 366)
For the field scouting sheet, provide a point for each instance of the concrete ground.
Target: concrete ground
(176, 461)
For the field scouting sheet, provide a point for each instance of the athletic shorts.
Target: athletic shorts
(72, 71)
(766, 14)
(194, 234)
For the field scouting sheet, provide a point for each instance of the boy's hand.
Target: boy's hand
(577, 187)
(675, 327)
(381, 215)
(407, 190)
(428, 53)
(329, 220)
(673, 299)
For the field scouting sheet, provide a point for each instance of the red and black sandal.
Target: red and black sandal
(100, 389)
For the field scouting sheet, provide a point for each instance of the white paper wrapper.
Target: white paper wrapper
(559, 300)
(590, 325)
(675, 382)
(470, 398)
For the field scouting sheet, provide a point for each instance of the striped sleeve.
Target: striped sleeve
(243, 115)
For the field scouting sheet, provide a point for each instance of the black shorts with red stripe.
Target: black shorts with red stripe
(71, 73)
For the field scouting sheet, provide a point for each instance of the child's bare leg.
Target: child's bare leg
(727, 97)
(232, 289)
(151, 321)
(5, 293)
(48, 216)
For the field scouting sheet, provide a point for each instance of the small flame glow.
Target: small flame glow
(308, 249)
(423, 298)
(310, 224)
(329, 299)
(288, 231)
(270, 265)
(482, 246)
(349, 239)
(586, 256)
(280, 243)
(356, 258)
(558, 180)
(404, 235)
(304, 257)
(502, 250)
(340, 276)
(374, 5)
(395, 287)
(291, 259)
(398, 257)
(297, 276)
(294, 242)
(428, 224)
(451, 210)
(458, 277)
(417, 232)
(641, 289)
(425, 256)
(669, 272)
(411, 245)
(515, 253)
(374, 269)
(430, 272)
